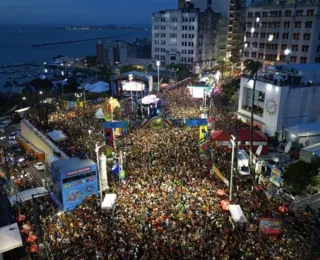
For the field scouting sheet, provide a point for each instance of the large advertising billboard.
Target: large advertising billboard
(78, 185)
(133, 86)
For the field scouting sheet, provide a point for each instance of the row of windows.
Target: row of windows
(191, 44)
(273, 57)
(160, 57)
(159, 49)
(299, 12)
(274, 46)
(189, 59)
(185, 27)
(78, 177)
(190, 19)
(295, 36)
(162, 35)
(159, 27)
(277, 24)
(158, 42)
(187, 51)
(191, 36)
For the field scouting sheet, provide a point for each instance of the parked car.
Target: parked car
(284, 194)
(39, 166)
(243, 163)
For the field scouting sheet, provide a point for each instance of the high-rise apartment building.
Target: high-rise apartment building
(283, 32)
(114, 52)
(184, 36)
(232, 25)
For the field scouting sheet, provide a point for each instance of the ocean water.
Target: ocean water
(16, 42)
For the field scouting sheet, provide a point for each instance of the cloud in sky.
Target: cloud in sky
(81, 11)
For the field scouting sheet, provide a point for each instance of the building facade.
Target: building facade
(282, 33)
(115, 52)
(232, 28)
(184, 36)
(286, 95)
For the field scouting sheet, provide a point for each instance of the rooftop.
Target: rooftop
(72, 164)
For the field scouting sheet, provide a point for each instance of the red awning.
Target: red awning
(242, 135)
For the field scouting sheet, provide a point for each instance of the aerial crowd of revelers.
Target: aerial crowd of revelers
(168, 206)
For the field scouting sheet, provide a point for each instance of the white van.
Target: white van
(243, 163)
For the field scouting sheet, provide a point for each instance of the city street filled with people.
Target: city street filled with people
(169, 205)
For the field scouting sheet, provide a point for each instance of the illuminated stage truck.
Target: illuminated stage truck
(73, 180)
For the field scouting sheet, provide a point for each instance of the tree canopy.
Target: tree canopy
(252, 67)
(182, 70)
(300, 175)
(129, 67)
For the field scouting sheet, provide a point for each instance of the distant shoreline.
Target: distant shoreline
(104, 27)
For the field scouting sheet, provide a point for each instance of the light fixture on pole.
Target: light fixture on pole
(62, 73)
(233, 142)
(158, 67)
(287, 52)
(130, 79)
(257, 19)
(252, 30)
(40, 92)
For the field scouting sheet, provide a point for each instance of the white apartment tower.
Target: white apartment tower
(283, 32)
(231, 25)
(184, 36)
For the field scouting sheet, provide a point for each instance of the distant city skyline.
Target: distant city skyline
(82, 12)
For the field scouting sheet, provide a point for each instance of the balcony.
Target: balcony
(256, 110)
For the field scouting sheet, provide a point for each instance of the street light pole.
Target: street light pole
(232, 160)
(130, 79)
(158, 66)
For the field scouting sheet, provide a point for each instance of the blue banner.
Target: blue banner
(114, 124)
(196, 122)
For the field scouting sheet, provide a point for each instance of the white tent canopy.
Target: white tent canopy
(109, 201)
(237, 214)
(150, 99)
(10, 238)
(27, 195)
(57, 136)
(99, 87)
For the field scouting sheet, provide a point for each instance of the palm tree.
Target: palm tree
(252, 67)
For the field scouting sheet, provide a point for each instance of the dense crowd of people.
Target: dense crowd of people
(168, 207)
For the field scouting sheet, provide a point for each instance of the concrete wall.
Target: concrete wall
(295, 105)
(40, 141)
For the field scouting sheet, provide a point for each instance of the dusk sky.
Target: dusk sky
(81, 11)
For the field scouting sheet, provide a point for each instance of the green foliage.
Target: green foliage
(92, 61)
(41, 84)
(300, 175)
(231, 88)
(252, 67)
(129, 67)
(105, 74)
(182, 70)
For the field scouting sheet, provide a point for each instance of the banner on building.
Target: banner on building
(270, 226)
(196, 122)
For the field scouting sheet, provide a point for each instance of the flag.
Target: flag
(145, 123)
(115, 168)
(122, 175)
(168, 122)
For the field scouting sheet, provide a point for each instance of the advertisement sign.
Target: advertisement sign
(276, 176)
(270, 226)
(133, 86)
(203, 132)
(196, 122)
(79, 187)
(156, 123)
